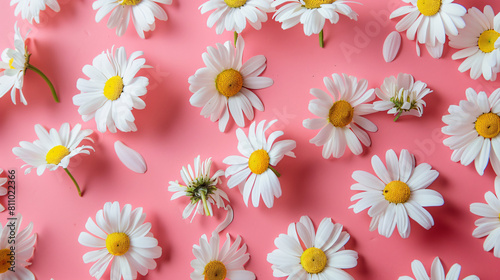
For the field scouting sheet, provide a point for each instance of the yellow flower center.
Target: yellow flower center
(487, 40)
(10, 63)
(341, 113)
(258, 161)
(488, 125)
(235, 3)
(314, 4)
(215, 270)
(313, 260)
(130, 2)
(397, 192)
(229, 82)
(429, 7)
(117, 243)
(113, 88)
(5, 255)
(56, 154)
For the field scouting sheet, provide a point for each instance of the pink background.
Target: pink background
(172, 132)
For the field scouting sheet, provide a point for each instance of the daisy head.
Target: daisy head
(489, 223)
(473, 127)
(3, 189)
(223, 88)
(228, 262)
(437, 272)
(233, 15)
(53, 149)
(121, 238)
(311, 13)
(142, 12)
(478, 43)
(112, 90)
(304, 253)
(13, 67)
(430, 21)
(200, 187)
(397, 193)
(30, 9)
(401, 96)
(253, 172)
(23, 249)
(340, 113)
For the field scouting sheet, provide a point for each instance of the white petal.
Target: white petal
(391, 46)
(130, 158)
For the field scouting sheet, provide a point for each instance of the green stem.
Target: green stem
(275, 171)
(398, 115)
(74, 181)
(321, 42)
(235, 37)
(46, 80)
(205, 205)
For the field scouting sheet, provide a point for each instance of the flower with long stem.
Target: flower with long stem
(54, 149)
(13, 67)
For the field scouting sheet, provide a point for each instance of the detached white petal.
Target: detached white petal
(391, 46)
(418, 47)
(130, 158)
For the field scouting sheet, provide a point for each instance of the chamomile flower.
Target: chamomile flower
(142, 12)
(437, 272)
(473, 127)
(399, 193)
(3, 190)
(305, 254)
(253, 172)
(122, 239)
(30, 9)
(341, 120)
(25, 245)
(489, 224)
(53, 150)
(233, 15)
(477, 42)
(112, 91)
(200, 187)
(430, 21)
(214, 263)
(312, 14)
(401, 96)
(13, 67)
(223, 87)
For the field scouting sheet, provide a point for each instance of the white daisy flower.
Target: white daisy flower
(254, 172)
(489, 224)
(30, 9)
(24, 247)
(430, 21)
(233, 15)
(122, 239)
(437, 272)
(401, 96)
(142, 12)
(399, 193)
(312, 14)
(200, 187)
(112, 91)
(3, 190)
(478, 44)
(13, 68)
(305, 254)
(53, 150)
(473, 127)
(340, 117)
(228, 262)
(230, 94)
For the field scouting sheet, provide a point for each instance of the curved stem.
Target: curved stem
(235, 37)
(398, 115)
(74, 181)
(46, 80)
(321, 42)
(275, 171)
(205, 205)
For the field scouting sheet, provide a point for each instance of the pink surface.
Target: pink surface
(172, 132)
